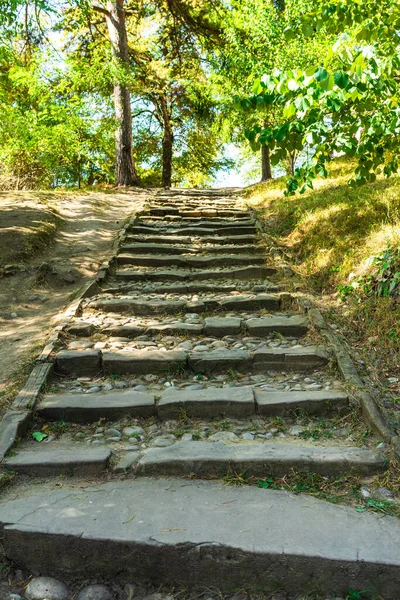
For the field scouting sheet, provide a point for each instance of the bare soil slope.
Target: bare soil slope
(55, 243)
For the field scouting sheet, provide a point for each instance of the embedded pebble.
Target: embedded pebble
(46, 588)
(95, 592)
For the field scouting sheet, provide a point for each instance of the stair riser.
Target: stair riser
(206, 404)
(164, 249)
(245, 273)
(195, 231)
(90, 363)
(198, 262)
(171, 307)
(165, 240)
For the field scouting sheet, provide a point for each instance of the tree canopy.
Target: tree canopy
(151, 91)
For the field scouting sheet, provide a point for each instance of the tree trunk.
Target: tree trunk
(266, 173)
(167, 144)
(125, 171)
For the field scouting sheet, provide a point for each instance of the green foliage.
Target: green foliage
(39, 436)
(347, 105)
(384, 282)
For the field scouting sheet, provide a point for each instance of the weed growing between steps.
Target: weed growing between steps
(347, 490)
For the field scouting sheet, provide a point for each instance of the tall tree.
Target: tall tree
(125, 172)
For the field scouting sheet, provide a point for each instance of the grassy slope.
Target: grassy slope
(331, 233)
(333, 230)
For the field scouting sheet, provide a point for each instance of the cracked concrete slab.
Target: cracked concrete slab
(201, 533)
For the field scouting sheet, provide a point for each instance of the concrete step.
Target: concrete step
(60, 461)
(193, 215)
(211, 402)
(273, 459)
(200, 534)
(147, 248)
(294, 326)
(244, 302)
(187, 239)
(173, 210)
(92, 362)
(188, 288)
(192, 262)
(221, 230)
(255, 272)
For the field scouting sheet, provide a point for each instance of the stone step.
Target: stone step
(274, 459)
(241, 240)
(201, 534)
(174, 221)
(193, 262)
(223, 230)
(193, 216)
(211, 402)
(173, 210)
(89, 408)
(135, 306)
(92, 362)
(255, 272)
(245, 401)
(294, 326)
(188, 288)
(146, 248)
(60, 461)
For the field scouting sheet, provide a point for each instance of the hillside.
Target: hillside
(330, 236)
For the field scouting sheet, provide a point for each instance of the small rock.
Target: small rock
(383, 492)
(140, 388)
(107, 387)
(223, 436)
(95, 592)
(93, 390)
(163, 442)
(341, 432)
(132, 431)
(187, 437)
(46, 588)
(113, 439)
(365, 493)
(80, 435)
(113, 432)
(248, 436)
(296, 430)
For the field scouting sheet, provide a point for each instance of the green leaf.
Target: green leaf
(39, 436)
(327, 84)
(321, 74)
(289, 34)
(302, 103)
(257, 87)
(289, 111)
(307, 29)
(341, 79)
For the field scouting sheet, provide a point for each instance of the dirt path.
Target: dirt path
(32, 301)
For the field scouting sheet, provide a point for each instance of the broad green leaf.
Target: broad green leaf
(328, 84)
(39, 436)
(257, 87)
(321, 74)
(289, 111)
(307, 29)
(341, 79)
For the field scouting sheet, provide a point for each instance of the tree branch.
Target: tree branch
(101, 10)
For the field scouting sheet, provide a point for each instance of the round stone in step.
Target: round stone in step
(223, 436)
(80, 345)
(46, 588)
(95, 592)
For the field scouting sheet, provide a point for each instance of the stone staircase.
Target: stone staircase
(194, 363)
